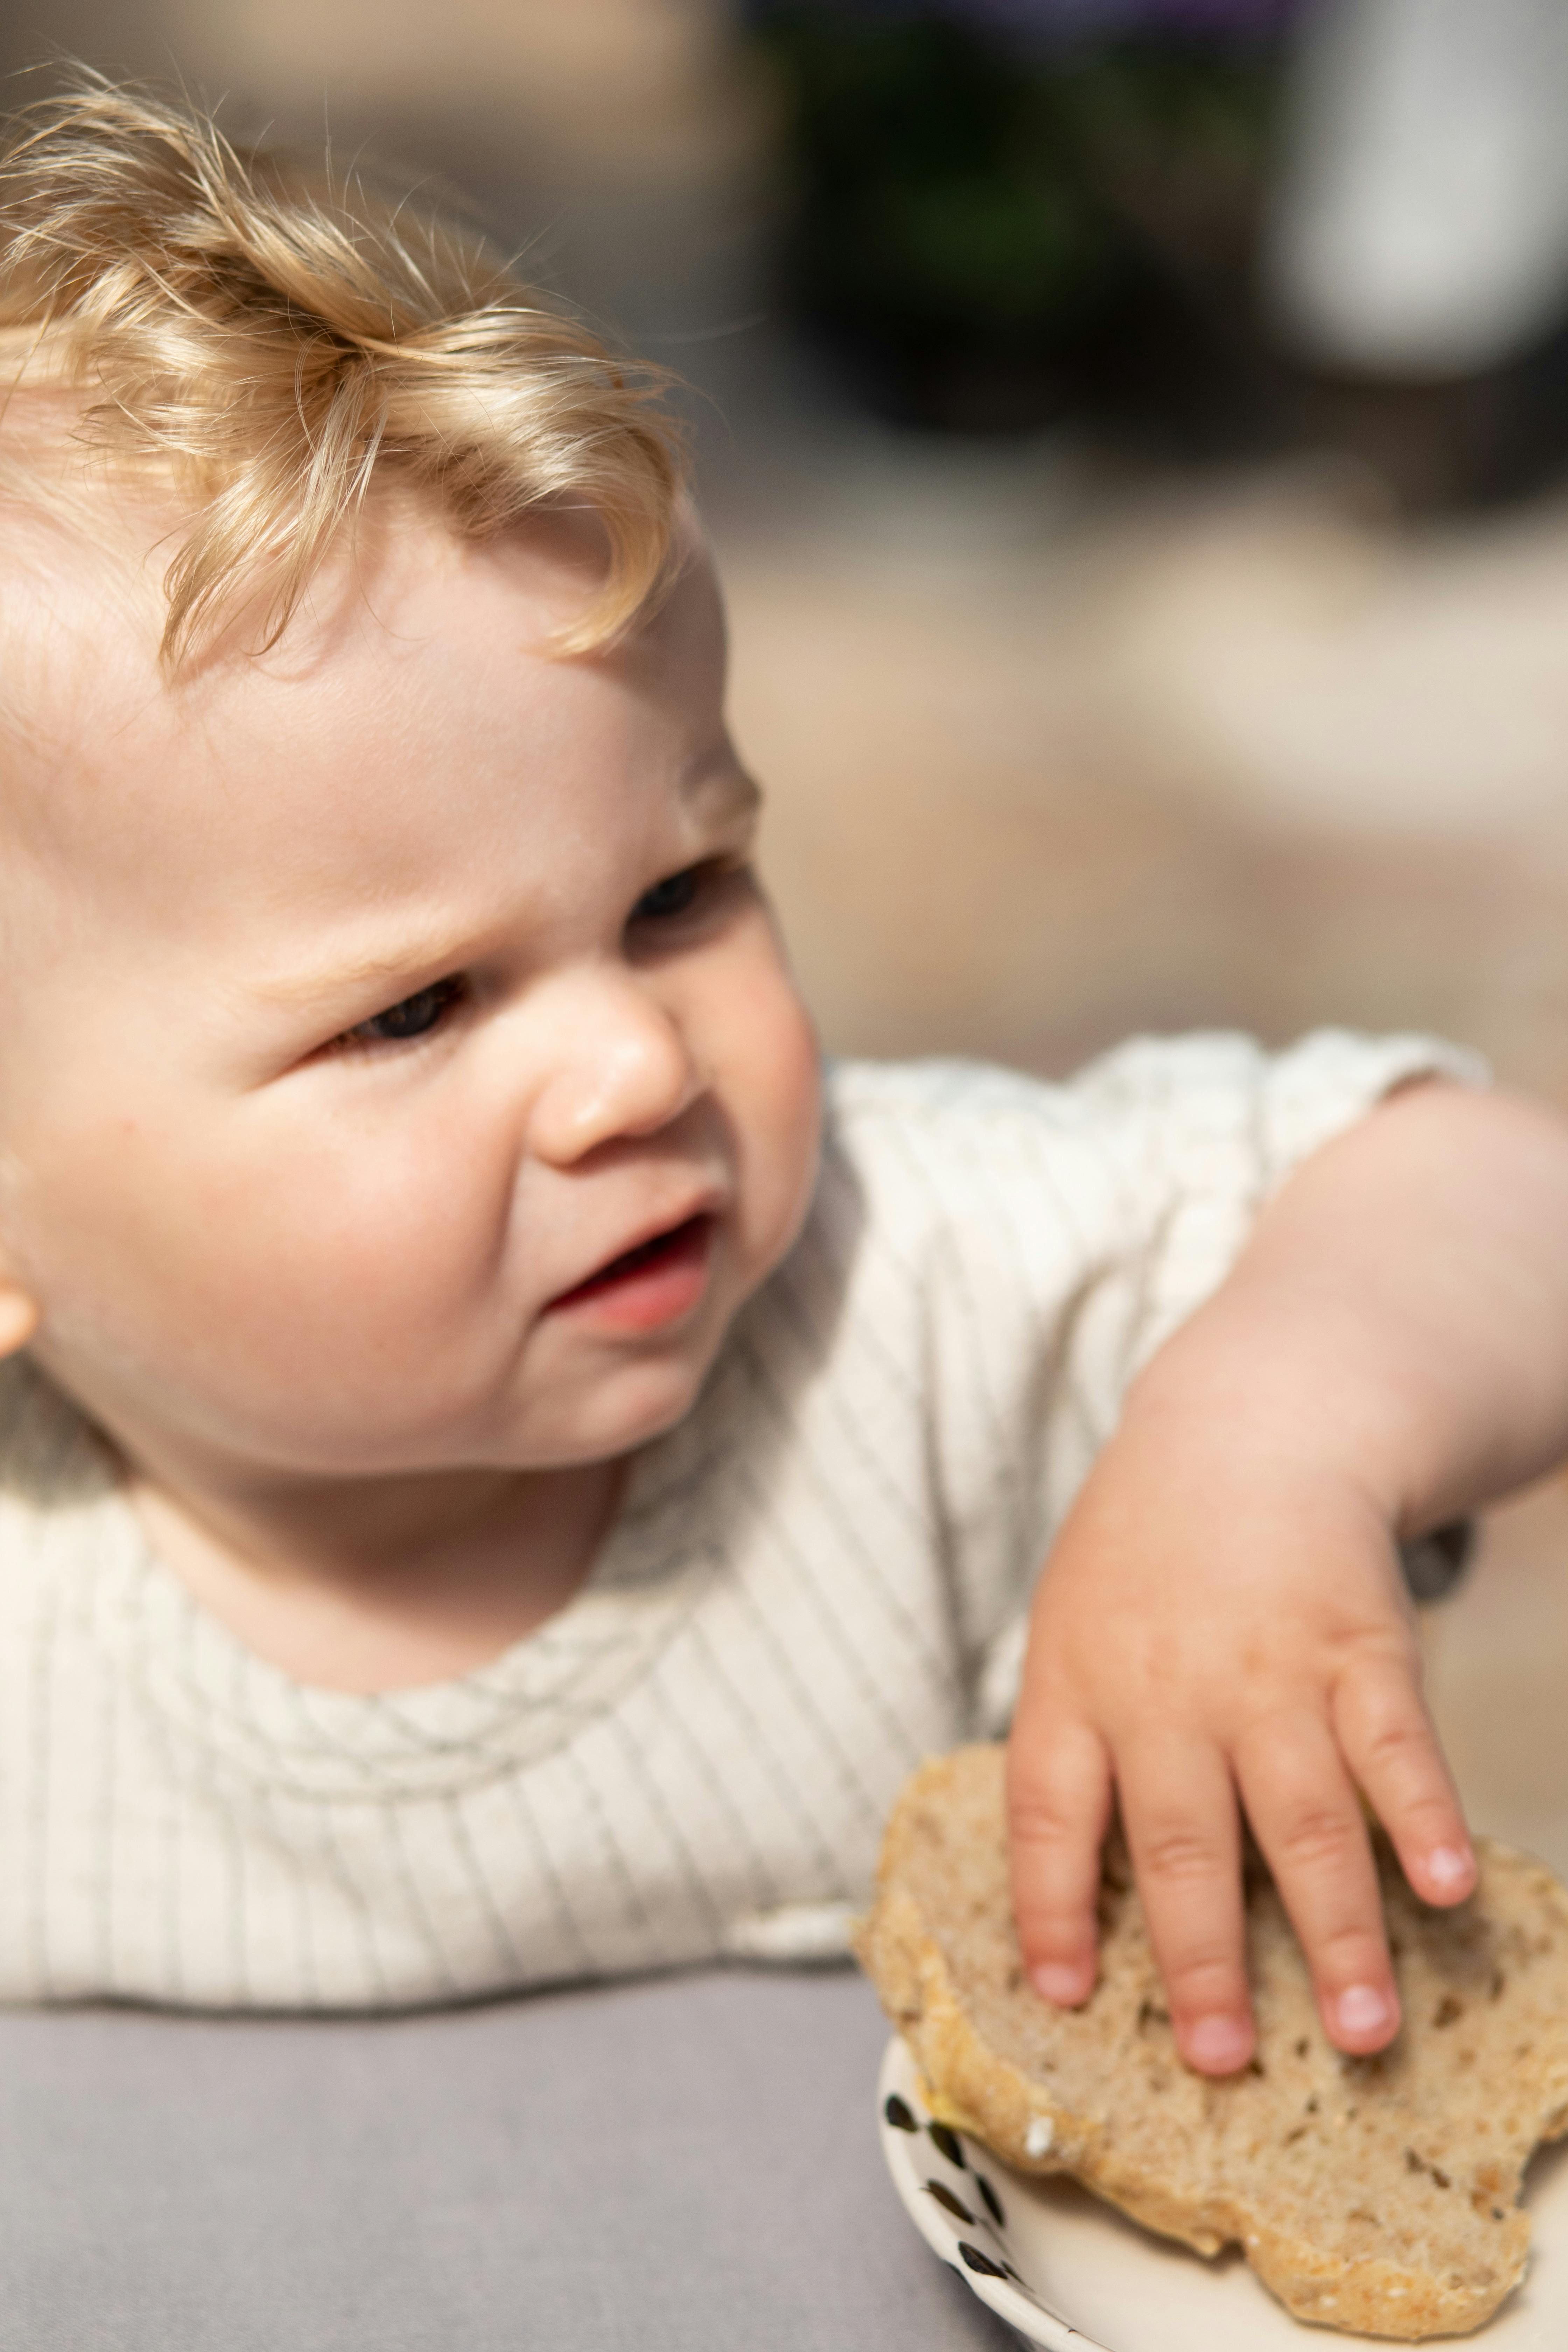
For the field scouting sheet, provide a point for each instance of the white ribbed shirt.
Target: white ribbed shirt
(819, 1578)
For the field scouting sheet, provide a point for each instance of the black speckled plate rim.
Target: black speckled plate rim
(944, 2181)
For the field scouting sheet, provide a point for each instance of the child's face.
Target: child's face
(367, 1002)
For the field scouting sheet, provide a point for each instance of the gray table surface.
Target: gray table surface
(684, 2162)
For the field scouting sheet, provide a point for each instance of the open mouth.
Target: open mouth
(684, 1248)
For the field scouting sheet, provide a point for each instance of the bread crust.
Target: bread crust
(1418, 2232)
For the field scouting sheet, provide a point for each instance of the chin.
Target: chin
(647, 1405)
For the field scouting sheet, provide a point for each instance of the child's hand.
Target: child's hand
(1222, 1618)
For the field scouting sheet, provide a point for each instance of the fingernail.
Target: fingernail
(1362, 2009)
(1063, 1986)
(1449, 1865)
(1218, 2044)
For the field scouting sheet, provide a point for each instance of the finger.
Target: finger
(1388, 1742)
(1058, 1804)
(1309, 1824)
(1179, 1809)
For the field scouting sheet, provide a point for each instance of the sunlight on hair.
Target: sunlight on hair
(272, 341)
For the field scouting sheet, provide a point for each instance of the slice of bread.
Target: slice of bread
(1378, 2194)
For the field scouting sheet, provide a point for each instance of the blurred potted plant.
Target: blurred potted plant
(1001, 210)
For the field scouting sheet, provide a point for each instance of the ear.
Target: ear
(18, 1316)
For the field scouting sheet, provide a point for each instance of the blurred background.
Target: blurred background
(1135, 436)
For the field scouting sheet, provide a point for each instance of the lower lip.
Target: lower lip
(650, 1291)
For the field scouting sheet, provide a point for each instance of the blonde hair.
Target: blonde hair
(271, 342)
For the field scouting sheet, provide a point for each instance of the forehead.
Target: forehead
(417, 656)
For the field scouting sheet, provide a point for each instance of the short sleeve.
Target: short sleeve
(1209, 1127)
(1057, 1235)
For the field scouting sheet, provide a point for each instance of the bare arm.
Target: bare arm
(1222, 1616)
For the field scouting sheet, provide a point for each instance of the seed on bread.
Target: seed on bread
(1378, 2194)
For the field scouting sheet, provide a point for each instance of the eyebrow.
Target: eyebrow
(388, 968)
(734, 788)
(736, 793)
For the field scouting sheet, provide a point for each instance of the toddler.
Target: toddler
(505, 1464)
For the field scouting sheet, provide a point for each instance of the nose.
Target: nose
(621, 1065)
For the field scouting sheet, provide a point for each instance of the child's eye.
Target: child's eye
(676, 895)
(415, 1017)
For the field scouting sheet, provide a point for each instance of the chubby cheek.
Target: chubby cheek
(384, 1267)
(311, 1291)
(766, 1065)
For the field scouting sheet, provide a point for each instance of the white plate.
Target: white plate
(1067, 2272)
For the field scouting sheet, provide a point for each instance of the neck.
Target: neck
(380, 1583)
